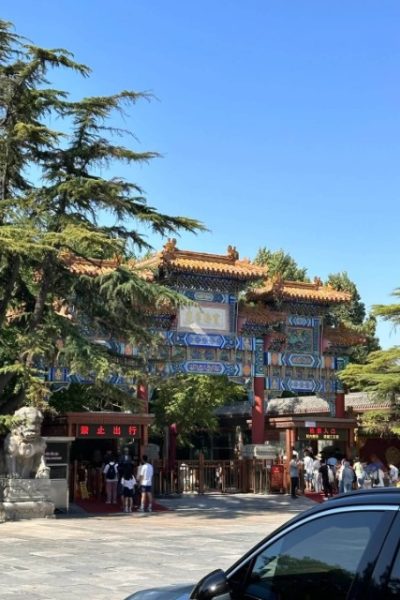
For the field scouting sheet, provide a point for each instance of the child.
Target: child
(128, 483)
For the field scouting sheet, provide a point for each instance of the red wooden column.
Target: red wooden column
(257, 416)
(143, 395)
(339, 405)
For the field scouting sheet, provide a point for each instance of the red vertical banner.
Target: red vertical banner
(257, 416)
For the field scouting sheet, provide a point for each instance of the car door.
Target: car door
(385, 583)
(328, 556)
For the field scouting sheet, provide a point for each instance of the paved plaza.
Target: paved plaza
(107, 557)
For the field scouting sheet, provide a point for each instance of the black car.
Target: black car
(347, 548)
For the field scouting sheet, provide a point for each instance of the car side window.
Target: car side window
(394, 579)
(316, 560)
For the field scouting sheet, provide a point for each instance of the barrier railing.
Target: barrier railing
(225, 476)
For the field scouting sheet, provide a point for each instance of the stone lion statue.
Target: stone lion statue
(24, 446)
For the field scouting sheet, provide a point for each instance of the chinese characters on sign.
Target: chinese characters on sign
(107, 431)
(277, 476)
(204, 318)
(322, 433)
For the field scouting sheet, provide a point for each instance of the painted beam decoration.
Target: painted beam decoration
(291, 384)
(208, 340)
(209, 336)
(63, 375)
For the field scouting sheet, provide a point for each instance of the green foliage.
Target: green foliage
(381, 423)
(281, 264)
(389, 312)
(189, 401)
(354, 311)
(353, 316)
(41, 224)
(6, 423)
(380, 375)
(97, 397)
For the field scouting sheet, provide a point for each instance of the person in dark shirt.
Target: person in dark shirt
(326, 475)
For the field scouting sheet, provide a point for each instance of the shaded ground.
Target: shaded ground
(108, 557)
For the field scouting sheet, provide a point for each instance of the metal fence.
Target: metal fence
(229, 476)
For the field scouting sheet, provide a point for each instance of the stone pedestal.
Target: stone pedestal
(25, 499)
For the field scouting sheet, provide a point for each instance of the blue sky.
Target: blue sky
(278, 121)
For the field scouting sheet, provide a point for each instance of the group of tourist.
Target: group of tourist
(122, 481)
(330, 476)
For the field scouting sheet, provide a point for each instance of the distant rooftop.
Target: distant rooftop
(305, 405)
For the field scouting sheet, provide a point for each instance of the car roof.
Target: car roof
(389, 495)
(364, 497)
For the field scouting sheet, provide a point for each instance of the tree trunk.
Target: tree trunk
(41, 298)
(4, 381)
(10, 277)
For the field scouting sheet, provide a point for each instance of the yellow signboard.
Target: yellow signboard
(204, 317)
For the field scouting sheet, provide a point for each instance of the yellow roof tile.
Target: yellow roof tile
(299, 290)
(260, 314)
(185, 261)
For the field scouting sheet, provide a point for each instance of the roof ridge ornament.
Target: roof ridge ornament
(170, 246)
(318, 281)
(277, 280)
(233, 253)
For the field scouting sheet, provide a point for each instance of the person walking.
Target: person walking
(327, 477)
(294, 475)
(347, 477)
(393, 475)
(145, 473)
(308, 463)
(128, 483)
(317, 482)
(360, 473)
(339, 476)
(111, 476)
(125, 462)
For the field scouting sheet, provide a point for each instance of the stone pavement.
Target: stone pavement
(108, 557)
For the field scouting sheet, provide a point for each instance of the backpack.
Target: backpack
(111, 471)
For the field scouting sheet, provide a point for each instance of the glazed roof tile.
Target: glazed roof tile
(299, 290)
(92, 267)
(302, 405)
(171, 259)
(260, 315)
(299, 405)
(184, 261)
(361, 401)
(342, 336)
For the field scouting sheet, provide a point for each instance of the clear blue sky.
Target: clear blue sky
(278, 121)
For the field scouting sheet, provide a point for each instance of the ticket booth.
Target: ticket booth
(317, 433)
(321, 435)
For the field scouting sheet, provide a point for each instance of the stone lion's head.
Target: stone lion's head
(28, 423)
